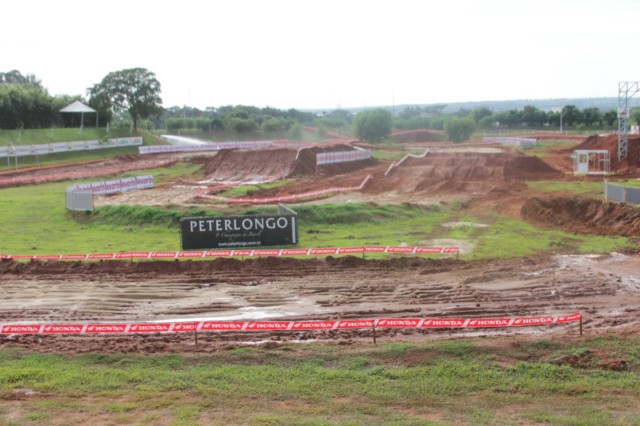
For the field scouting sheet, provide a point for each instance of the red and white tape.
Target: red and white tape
(282, 198)
(194, 254)
(177, 327)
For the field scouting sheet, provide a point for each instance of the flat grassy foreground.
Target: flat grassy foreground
(474, 381)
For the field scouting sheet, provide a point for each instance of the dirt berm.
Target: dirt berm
(587, 216)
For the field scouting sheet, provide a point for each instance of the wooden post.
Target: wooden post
(195, 335)
(581, 324)
(374, 333)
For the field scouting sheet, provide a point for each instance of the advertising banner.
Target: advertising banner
(238, 231)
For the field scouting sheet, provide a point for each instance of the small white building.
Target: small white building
(591, 162)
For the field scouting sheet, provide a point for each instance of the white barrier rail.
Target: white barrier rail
(113, 186)
(342, 156)
(215, 146)
(394, 165)
(525, 142)
(54, 148)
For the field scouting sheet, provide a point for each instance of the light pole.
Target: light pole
(562, 113)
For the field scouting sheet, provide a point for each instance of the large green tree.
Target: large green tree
(373, 126)
(136, 90)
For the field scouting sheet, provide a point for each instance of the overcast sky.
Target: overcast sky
(325, 54)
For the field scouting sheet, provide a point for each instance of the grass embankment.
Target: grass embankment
(35, 222)
(499, 381)
(44, 136)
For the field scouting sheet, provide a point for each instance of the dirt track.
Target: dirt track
(606, 289)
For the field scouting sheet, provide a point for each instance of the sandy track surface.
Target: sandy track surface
(606, 289)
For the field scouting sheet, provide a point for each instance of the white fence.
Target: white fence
(54, 148)
(113, 186)
(342, 156)
(621, 194)
(80, 197)
(214, 146)
(524, 142)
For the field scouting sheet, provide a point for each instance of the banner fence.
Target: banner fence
(197, 254)
(352, 324)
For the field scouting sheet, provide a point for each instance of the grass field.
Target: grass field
(473, 381)
(35, 221)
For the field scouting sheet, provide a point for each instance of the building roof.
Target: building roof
(77, 106)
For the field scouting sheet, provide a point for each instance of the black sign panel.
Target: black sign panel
(238, 231)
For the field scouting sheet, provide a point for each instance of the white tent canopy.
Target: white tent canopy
(79, 107)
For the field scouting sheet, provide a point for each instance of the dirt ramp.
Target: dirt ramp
(466, 172)
(420, 135)
(240, 166)
(306, 162)
(587, 216)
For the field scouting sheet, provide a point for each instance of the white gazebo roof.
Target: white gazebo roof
(77, 106)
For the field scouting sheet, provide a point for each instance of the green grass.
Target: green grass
(507, 238)
(593, 189)
(35, 221)
(435, 382)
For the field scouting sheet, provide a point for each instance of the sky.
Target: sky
(311, 54)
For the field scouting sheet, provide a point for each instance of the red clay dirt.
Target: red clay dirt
(587, 216)
(606, 289)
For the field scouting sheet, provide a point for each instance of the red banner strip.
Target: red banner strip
(352, 324)
(240, 253)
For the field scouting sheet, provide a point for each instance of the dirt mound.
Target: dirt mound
(587, 216)
(629, 166)
(469, 172)
(420, 135)
(244, 166)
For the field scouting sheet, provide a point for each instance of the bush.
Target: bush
(373, 126)
(459, 129)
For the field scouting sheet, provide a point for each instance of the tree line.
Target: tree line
(133, 96)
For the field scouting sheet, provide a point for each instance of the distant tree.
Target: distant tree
(322, 130)
(480, 113)
(295, 132)
(135, 90)
(459, 129)
(634, 115)
(610, 117)
(337, 119)
(373, 126)
(276, 124)
(16, 77)
(532, 116)
(410, 112)
(572, 115)
(25, 106)
(591, 116)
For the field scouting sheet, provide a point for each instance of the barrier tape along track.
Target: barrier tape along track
(213, 325)
(195, 254)
(203, 194)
